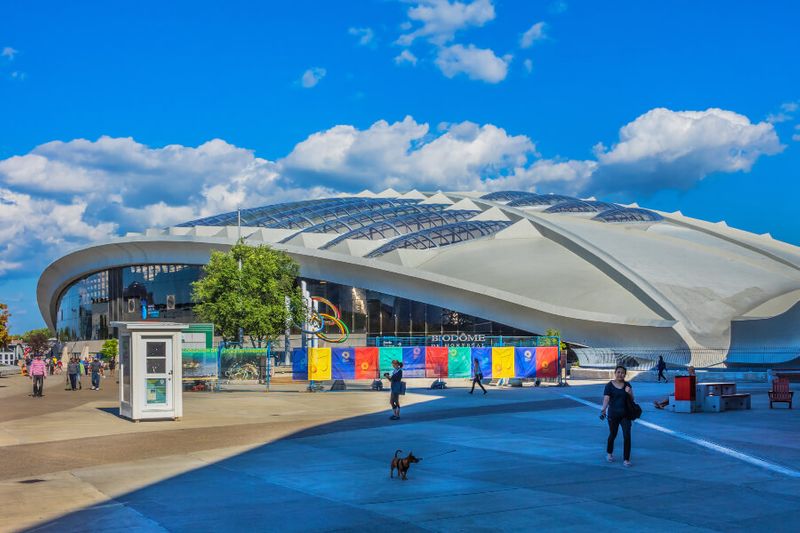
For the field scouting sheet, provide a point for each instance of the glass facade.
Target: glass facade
(378, 314)
(87, 307)
(628, 214)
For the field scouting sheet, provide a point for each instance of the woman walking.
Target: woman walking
(396, 379)
(477, 376)
(73, 371)
(661, 366)
(615, 400)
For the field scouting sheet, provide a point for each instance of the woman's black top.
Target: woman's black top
(616, 405)
(396, 377)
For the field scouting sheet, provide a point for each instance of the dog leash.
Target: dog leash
(440, 454)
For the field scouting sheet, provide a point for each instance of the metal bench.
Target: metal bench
(780, 392)
(726, 402)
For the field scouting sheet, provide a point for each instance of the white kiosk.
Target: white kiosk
(150, 370)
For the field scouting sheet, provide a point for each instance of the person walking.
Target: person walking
(74, 373)
(396, 382)
(38, 374)
(477, 376)
(615, 399)
(97, 370)
(86, 366)
(111, 365)
(661, 366)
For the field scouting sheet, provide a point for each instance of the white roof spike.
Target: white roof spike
(766, 235)
(438, 198)
(366, 193)
(388, 193)
(465, 204)
(524, 229)
(721, 223)
(413, 194)
(632, 204)
(678, 213)
(491, 214)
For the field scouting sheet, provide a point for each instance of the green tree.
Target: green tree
(28, 335)
(38, 341)
(110, 349)
(552, 332)
(250, 296)
(4, 316)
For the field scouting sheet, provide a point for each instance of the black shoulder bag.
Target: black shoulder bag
(632, 409)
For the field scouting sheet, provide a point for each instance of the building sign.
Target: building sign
(457, 339)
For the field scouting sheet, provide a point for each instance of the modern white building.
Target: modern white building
(619, 279)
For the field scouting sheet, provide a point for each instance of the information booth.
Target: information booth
(150, 370)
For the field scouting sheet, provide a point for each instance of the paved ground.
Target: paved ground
(291, 461)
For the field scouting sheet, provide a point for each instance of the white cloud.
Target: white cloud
(675, 149)
(476, 63)
(405, 57)
(9, 52)
(528, 64)
(312, 77)
(796, 136)
(558, 7)
(535, 33)
(441, 19)
(66, 194)
(365, 35)
(786, 113)
(403, 154)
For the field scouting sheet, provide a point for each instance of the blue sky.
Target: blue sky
(675, 105)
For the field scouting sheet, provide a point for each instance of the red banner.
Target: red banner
(366, 363)
(436, 361)
(547, 362)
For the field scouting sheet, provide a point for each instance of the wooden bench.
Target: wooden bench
(780, 392)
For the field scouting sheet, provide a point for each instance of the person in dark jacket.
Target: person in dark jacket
(477, 376)
(615, 399)
(73, 371)
(396, 380)
(661, 366)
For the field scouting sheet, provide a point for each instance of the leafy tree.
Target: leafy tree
(38, 342)
(251, 297)
(28, 335)
(4, 316)
(110, 349)
(552, 332)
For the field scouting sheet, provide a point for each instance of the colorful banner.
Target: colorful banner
(503, 362)
(424, 362)
(436, 362)
(525, 362)
(343, 363)
(386, 356)
(366, 363)
(459, 362)
(414, 362)
(319, 364)
(484, 357)
(299, 364)
(547, 362)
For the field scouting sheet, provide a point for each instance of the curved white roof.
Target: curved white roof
(653, 279)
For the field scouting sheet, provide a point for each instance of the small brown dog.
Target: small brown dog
(402, 464)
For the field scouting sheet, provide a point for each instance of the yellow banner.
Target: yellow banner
(503, 362)
(319, 364)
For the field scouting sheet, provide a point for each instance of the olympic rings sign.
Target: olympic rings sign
(319, 320)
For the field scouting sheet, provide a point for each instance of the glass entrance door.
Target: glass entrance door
(158, 372)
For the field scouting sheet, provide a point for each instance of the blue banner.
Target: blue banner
(344, 363)
(525, 362)
(484, 357)
(299, 364)
(414, 362)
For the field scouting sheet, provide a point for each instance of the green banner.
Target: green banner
(386, 356)
(458, 362)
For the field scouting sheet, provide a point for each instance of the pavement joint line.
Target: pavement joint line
(730, 452)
